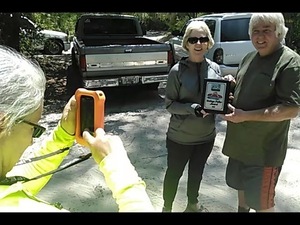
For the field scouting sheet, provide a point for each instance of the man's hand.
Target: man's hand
(235, 115)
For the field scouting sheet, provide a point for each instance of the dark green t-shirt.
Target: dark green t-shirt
(263, 82)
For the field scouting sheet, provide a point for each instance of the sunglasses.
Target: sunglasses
(194, 40)
(37, 129)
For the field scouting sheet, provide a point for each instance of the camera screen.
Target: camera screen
(87, 113)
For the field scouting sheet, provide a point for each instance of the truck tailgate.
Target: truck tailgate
(127, 61)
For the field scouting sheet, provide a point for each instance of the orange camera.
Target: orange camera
(90, 112)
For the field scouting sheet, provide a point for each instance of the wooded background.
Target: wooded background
(168, 22)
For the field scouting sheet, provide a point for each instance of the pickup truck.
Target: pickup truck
(111, 50)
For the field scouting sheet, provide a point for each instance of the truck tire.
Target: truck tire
(53, 47)
(74, 80)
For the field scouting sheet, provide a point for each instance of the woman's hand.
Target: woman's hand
(68, 118)
(103, 144)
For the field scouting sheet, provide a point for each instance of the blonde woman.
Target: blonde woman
(191, 132)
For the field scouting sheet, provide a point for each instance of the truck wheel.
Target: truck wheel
(53, 47)
(74, 81)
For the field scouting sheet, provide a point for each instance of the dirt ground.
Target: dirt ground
(140, 119)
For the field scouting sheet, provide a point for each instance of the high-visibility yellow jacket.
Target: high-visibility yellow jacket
(127, 187)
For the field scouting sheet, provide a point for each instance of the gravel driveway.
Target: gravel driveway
(140, 119)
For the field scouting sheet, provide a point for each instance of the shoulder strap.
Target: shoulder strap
(16, 179)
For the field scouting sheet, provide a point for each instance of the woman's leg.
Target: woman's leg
(178, 156)
(196, 167)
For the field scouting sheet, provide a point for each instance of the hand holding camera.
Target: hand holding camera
(90, 112)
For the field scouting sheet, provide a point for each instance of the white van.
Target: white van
(230, 33)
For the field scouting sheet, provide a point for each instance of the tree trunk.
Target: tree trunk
(10, 29)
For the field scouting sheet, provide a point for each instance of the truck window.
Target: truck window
(102, 26)
(235, 30)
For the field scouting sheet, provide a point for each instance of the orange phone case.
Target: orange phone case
(99, 101)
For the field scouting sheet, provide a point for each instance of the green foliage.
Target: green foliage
(164, 21)
(65, 22)
(293, 36)
(28, 40)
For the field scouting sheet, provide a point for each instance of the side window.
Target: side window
(235, 30)
(25, 24)
(212, 26)
(184, 28)
(210, 23)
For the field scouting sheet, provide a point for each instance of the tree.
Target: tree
(292, 21)
(10, 29)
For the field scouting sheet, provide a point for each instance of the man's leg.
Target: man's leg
(242, 206)
(260, 184)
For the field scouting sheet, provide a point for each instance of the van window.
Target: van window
(235, 30)
(182, 31)
(212, 26)
(210, 23)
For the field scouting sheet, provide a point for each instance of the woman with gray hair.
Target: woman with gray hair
(22, 87)
(191, 132)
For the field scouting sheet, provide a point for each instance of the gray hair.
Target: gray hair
(197, 25)
(274, 18)
(22, 87)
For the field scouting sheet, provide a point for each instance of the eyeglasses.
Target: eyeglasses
(194, 40)
(37, 129)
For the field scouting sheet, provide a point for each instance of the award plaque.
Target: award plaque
(215, 95)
